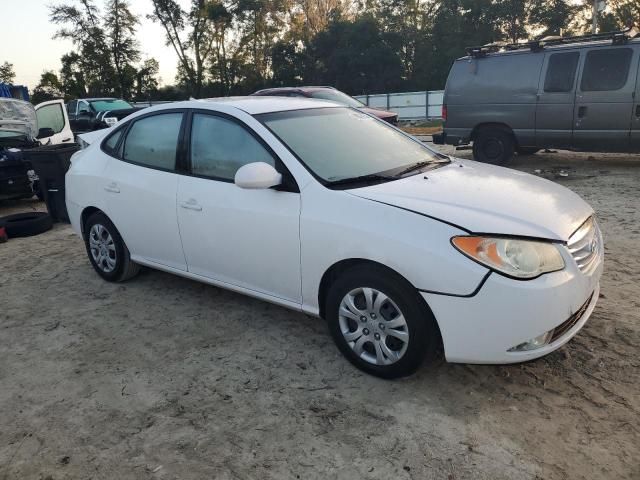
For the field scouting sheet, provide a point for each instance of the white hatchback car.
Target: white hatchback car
(325, 209)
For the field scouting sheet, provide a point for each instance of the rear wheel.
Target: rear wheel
(380, 322)
(107, 251)
(493, 145)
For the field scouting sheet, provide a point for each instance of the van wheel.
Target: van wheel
(527, 150)
(493, 145)
(380, 323)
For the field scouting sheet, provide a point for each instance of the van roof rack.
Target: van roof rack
(617, 38)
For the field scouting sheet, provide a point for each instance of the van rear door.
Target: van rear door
(604, 100)
(556, 99)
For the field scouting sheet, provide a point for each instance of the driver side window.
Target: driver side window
(219, 147)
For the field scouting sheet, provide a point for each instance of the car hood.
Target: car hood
(18, 116)
(484, 198)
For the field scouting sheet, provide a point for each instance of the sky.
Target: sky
(27, 39)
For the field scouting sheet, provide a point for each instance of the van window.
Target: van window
(561, 72)
(606, 69)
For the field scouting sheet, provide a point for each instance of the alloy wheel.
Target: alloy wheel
(373, 326)
(102, 247)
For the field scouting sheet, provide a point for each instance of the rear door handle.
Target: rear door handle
(112, 187)
(66, 139)
(582, 111)
(638, 111)
(191, 204)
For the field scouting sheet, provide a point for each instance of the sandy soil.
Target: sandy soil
(163, 378)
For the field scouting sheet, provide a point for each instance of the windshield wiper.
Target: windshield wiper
(419, 165)
(373, 177)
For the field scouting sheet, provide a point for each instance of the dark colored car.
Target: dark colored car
(328, 93)
(15, 181)
(89, 114)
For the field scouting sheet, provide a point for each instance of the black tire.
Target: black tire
(26, 224)
(527, 150)
(121, 267)
(423, 334)
(493, 145)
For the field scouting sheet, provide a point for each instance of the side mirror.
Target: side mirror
(257, 175)
(45, 132)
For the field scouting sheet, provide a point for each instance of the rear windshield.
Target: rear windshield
(109, 105)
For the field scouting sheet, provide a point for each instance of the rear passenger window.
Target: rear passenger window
(606, 69)
(153, 141)
(561, 72)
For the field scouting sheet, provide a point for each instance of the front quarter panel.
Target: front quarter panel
(337, 226)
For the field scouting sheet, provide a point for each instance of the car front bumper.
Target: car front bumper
(505, 313)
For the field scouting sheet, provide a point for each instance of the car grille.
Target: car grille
(585, 245)
(567, 325)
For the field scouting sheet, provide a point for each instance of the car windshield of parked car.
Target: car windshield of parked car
(337, 96)
(338, 144)
(110, 105)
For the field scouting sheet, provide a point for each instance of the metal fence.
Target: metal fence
(409, 105)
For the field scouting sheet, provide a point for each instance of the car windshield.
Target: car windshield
(110, 105)
(338, 144)
(337, 96)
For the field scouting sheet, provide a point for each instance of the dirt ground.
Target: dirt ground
(166, 378)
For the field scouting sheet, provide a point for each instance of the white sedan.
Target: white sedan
(327, 210)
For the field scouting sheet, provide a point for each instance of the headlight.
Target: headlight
(111, 121)
(512, 257)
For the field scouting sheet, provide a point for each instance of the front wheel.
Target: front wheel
(380, 322)
(107, 251)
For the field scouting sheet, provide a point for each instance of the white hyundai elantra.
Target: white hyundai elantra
(327, 210)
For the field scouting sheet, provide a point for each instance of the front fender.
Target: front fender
(415, 246)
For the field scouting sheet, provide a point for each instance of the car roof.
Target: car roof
(255, 105)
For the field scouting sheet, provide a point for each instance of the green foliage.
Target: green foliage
(103, 62)
(227, 47)
(49, 88)
(356, 57)
(7, 74)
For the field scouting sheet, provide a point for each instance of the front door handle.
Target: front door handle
(582, 111)
(112, 187)
(191, 204)
(66, 139)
